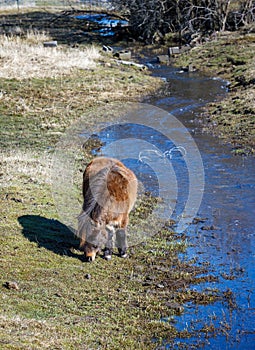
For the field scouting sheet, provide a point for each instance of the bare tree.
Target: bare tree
(148, 17)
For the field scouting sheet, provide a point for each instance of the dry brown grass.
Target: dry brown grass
(26, 57)
(16, 166)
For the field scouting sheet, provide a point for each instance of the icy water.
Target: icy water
(226, 238)
(106, 22)
(225, 235)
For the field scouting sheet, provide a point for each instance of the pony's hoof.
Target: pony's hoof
(123, 253)
(107, 257)
(107, 254)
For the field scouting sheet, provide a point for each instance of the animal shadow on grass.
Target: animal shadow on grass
(50, 234)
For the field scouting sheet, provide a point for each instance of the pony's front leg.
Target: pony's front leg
(110, 242)
(121, 242)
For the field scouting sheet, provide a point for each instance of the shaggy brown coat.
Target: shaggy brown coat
(109, 192)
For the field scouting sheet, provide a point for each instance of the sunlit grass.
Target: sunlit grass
(26, 57)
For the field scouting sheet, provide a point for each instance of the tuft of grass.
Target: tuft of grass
(23, 58)
(26, 57)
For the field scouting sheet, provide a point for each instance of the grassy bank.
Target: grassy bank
(50, 298)
(229, 56)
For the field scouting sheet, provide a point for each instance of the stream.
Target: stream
(225, 235)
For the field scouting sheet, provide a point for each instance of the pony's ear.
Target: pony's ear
(82, 244)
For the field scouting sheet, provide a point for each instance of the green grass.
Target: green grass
(122, 302)
(38, 111)
(113, 308)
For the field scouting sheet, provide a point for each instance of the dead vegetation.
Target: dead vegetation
(26, 57)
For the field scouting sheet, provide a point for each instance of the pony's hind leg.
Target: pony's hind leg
(121, 242)
(110, 242)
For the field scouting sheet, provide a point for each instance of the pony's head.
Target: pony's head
(90, 251)
(96, 240)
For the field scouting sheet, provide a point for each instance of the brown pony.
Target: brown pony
(109, 193)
